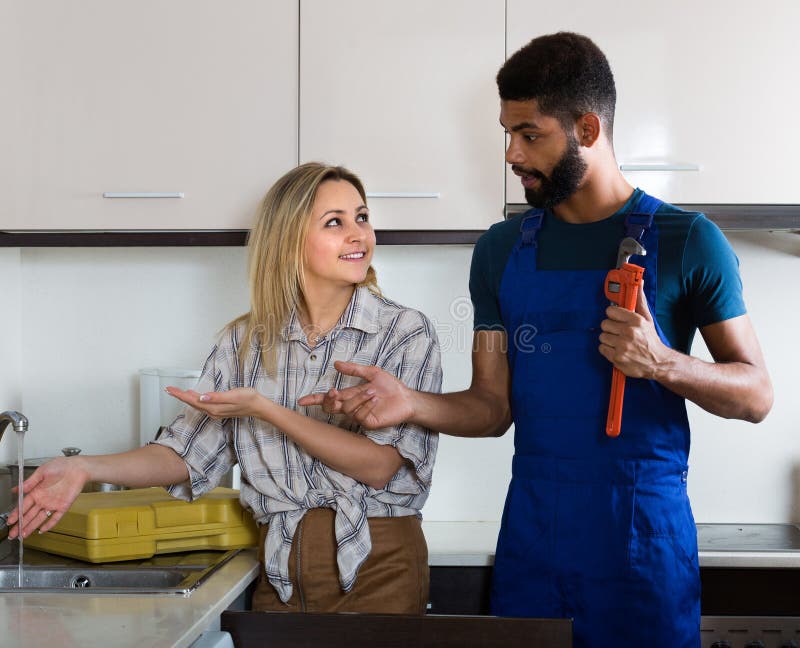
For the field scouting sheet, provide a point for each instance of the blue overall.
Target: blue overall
(595, 528)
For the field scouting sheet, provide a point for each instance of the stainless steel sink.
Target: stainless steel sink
(70, 577)
(176, 574)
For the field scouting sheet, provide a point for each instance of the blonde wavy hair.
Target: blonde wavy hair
(276, 256)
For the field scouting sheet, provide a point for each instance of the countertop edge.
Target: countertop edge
(233, 578)
(751, 559)
(707, 559)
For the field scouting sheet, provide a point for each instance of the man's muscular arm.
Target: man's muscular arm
(735, 385)
(382, 400)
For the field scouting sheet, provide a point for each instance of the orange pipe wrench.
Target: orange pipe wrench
(622, 287)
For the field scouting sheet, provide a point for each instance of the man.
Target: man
(595, 527)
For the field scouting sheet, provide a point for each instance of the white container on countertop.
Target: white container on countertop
(158, 409)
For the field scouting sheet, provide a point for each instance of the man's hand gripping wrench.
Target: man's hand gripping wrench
(622, 287)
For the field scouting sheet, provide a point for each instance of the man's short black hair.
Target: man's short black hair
(566, 73)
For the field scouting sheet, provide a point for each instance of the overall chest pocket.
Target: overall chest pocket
(560, 374)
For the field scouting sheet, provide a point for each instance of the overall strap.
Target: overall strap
(640, 218)
(530, 226)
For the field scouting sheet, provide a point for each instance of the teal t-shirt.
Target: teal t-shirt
(698, 272)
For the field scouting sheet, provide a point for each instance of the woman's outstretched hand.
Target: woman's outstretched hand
(47, 495)
(235, 403)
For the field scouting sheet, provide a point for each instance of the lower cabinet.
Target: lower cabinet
(750, 592)
(460, 590)
(725, 591)
(735, 592)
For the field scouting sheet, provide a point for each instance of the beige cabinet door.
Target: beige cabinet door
(706, 92)
(403, 93)
(192, 100)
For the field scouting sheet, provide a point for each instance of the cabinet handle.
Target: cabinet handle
(658, 166)
(142, 194)
(396, 194)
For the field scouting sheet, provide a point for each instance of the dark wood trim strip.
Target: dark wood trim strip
(729, 217)
(428, 237)
(751, 217)
(212, 238)
(122, 239)
(301, 629)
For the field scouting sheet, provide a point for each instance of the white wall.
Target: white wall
(471, 475)
(92, 317)
(744, 472)
(10, 352)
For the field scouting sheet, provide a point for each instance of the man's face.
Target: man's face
(545, 157)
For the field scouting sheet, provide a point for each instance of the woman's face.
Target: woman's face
(340, 239)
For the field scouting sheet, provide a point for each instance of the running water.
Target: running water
(20, 479)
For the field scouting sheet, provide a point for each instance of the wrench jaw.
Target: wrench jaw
(627, 248)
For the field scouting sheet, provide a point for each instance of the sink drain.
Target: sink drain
(81, 581)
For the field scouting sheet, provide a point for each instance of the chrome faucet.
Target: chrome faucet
(20, 424)
(16, 419)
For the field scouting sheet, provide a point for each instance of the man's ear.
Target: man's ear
(588, 129)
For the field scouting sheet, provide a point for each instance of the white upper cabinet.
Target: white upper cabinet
(186, 97)
(706, 91)
(403, 93)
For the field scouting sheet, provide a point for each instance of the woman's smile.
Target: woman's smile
(354, 256)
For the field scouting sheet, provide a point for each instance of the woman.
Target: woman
(338, 507)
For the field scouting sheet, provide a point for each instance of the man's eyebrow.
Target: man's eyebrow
(521, 126)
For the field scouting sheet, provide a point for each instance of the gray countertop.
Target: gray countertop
(87, 620)
(766, 546)
(770, 546)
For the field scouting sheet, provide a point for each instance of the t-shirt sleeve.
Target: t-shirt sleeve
(413, 357)
(482, 288)
(202, 442)
(711, 275)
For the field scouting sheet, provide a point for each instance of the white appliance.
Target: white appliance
(156, 407)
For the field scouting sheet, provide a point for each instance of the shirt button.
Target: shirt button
(313, 356)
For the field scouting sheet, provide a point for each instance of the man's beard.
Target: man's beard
(564, 180)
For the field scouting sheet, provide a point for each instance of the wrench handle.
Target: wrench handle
(614, 420)
(622, 287)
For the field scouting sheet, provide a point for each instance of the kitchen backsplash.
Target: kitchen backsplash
(83, 321)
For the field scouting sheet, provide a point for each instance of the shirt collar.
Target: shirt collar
(361, 314)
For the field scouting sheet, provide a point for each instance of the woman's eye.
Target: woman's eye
(530, 138)
(333, 222)
(363, 217)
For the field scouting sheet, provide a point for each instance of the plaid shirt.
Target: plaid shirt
(280, 481)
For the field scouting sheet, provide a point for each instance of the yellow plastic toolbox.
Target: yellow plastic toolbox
(142, 522)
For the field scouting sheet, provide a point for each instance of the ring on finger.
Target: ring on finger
(48, 513)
